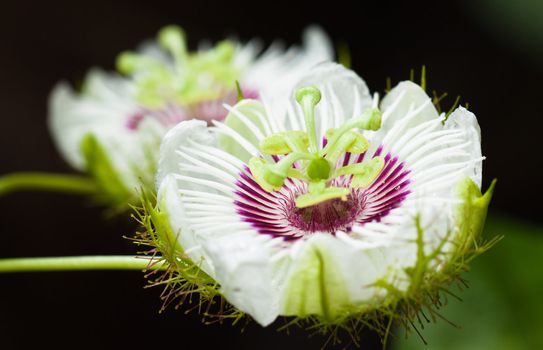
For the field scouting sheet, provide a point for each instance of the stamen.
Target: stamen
(194, 81)
(367, 172)
(272, 176)
(284, 143)
(317, 168)
(129, 62)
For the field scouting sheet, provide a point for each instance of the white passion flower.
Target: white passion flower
(345, 211)
(112, 128)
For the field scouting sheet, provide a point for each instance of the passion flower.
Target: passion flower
(111, 129)
(343, 210)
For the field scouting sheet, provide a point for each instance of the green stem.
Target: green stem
(37, 181)
(78, 263)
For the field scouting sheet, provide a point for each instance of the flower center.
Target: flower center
(172, 114)
(184, 78)
(317, 167)
(308, 189)
(329, 216)
(276, 213)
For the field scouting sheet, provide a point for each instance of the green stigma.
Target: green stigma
(308, 98)
(318, 166)
(189, 78)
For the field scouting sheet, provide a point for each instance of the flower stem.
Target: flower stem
(37, 181)
(78, 263)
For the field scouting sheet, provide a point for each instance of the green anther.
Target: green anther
(339, 147)
(367, 173)
(128, 62)
(271, 177)
(309, 199)
(318, 169)
(191, 79)
(267, 181)
(224, 51)
(371, 119)
(359, 145)
(286, 163)
(284, 142)
(352, 169)
(296, 174)
(173, 39)
(308, 97)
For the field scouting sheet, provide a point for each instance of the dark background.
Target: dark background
(465, 51)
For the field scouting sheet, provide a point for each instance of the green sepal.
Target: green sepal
(161, 236)
(316, 197)
(284, 142)
(98, 164)
(316, 287)
(169, 245)
(183, 277)
(471, 214)
(366, 172)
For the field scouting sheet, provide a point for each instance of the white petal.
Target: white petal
(403, 98)
(464, 120)
(170, 203)
(199, 200)
(244, 269)
(246, 124)
(176, 139)
(321, 273)
(276, 71)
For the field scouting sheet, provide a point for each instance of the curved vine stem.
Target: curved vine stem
(37, 181)
(78, 263)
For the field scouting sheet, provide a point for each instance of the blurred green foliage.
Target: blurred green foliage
(514, 22)
(503, 307)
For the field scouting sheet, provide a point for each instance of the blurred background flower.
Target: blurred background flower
(488, 52)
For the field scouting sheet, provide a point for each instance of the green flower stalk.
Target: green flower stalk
(110, 130)
(348, 211)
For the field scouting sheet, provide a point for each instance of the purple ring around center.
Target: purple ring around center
(275, 213)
